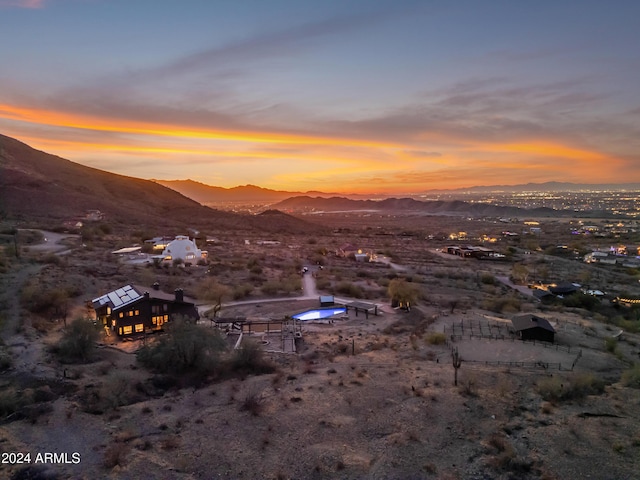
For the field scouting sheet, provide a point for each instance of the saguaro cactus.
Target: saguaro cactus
(456, 361)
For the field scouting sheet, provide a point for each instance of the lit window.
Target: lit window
(139, 327)
(137, 312)
(120, 331)
(127, 330)
(121, 315)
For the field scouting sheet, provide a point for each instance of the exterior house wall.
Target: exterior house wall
(144, 315)
(540, 334)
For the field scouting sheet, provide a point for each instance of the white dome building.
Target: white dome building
(183, 249)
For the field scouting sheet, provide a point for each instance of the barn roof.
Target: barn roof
(529, 321)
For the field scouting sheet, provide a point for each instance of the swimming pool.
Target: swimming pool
(319, 313)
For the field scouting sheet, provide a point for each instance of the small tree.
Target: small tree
(520, 273)
(402, 292)
(78, 342)
(186, 348)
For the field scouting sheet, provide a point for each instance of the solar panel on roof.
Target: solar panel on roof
(115, 300)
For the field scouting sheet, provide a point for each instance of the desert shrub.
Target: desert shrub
(250, 359)
(213, 291)
(34, 472)
(436, 338)
(555, 389)
(502, 304)
(10, 402)
(242, 291)
(349, 289)
(488, 279)
(185, 348)
(5, 361)
(323, 283)
(252, 403)
(631, 377)
(611, 344)
(78, 343)
(581, 300)
(115, 454)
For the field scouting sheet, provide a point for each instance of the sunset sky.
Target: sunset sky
(332, 95)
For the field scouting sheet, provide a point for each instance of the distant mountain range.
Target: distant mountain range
(43, 189)
(404, 205)
(245, 194)
(251, 194)
(546, 187)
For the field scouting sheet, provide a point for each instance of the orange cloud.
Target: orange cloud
(85, 122)
(295, 161)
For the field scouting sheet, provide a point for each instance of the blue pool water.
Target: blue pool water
(319, 313)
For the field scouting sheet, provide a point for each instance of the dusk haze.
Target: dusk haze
(336, 96)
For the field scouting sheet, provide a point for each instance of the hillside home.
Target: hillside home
(182, 248)
(132, 310)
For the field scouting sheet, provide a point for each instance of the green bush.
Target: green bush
(436, 338)
(78, 342)
(349, 289)
(556, 389)
(631, 377)
(185, 348)
(502, 304)
(488, 279)
(611, 344)
(250, 359)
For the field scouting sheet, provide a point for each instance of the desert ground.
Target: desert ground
(363, 396)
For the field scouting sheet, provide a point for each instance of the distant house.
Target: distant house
(472, 251)
(346, 250)
(532, 327)
(131, 310)
(182, 248)
(158, 243)
(362, 257)
(564, 289)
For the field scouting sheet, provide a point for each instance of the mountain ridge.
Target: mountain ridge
(38, 187)
(211, 194)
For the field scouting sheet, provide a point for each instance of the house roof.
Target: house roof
(529, 321)
(118, 298)
(564, 288)
(129, 294)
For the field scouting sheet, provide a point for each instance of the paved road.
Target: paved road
(52, 242)
(309, 286)
(395, 266)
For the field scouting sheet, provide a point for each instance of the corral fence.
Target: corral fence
(553, 346)
(530, 365)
